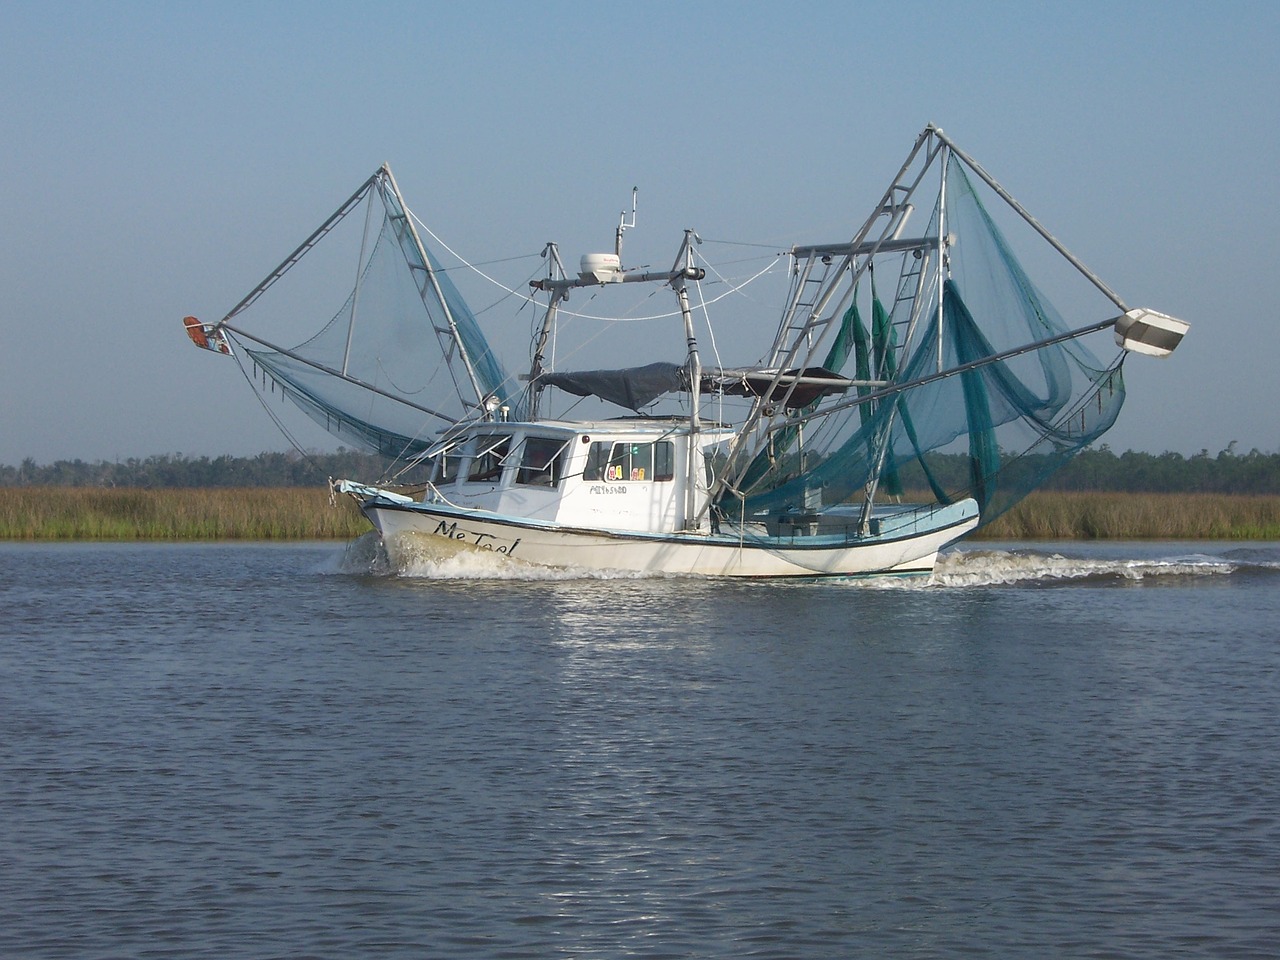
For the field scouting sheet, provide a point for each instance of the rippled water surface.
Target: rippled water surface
(286, 751)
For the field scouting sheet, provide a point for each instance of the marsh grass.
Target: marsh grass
(1048, 515)
(304, 513)
(121, 513)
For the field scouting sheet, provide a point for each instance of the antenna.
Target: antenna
(622, 222)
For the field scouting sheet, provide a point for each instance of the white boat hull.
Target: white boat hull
(906, 543)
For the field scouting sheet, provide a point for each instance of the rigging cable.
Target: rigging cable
(583, 316)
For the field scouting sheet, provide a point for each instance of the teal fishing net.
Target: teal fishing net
(992, 432)
(385, 371)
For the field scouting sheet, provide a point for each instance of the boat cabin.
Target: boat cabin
(628, 475)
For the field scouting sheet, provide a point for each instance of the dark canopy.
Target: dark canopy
(637, 387)
(632, 387)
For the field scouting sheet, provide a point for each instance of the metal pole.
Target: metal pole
(303, 247)
(681, 270)
(535, 368)
(435, 287)
(887, 203)
(951, 372)
(942, 262)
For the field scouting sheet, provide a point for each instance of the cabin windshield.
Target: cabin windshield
(448, 463)
(489, 458)
(542, 462)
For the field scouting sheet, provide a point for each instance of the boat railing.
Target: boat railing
(845, 522)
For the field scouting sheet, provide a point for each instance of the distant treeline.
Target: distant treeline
(1100, 470)
(263, 470)
(1104, 471)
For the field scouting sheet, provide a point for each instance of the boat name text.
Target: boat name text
(481, 540)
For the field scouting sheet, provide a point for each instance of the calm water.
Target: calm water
(267, 751)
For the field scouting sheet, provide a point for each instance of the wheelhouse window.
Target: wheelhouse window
(631, 461)
(489, 458)
(541, 462)
(448, 463)
(664, 460)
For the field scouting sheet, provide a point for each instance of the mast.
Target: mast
(681, 271)
(433, 281)
(555, 275)
(942, 253)
(856, 256)
(601, 269)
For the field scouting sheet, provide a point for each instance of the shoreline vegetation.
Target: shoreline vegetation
(177, 514)
(58, 513)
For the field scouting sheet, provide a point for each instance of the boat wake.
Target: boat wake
(970, 566)
(1017, 566)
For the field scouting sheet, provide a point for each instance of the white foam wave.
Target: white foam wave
(476, 565)
(421, 559)
(967, 568)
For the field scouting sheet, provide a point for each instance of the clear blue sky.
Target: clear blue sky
(159, 158)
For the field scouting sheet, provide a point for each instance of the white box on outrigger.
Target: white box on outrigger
(1145, 331)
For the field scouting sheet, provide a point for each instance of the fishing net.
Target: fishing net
(991, 431)
(385, 371)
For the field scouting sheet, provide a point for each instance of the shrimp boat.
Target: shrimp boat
(836, 446)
